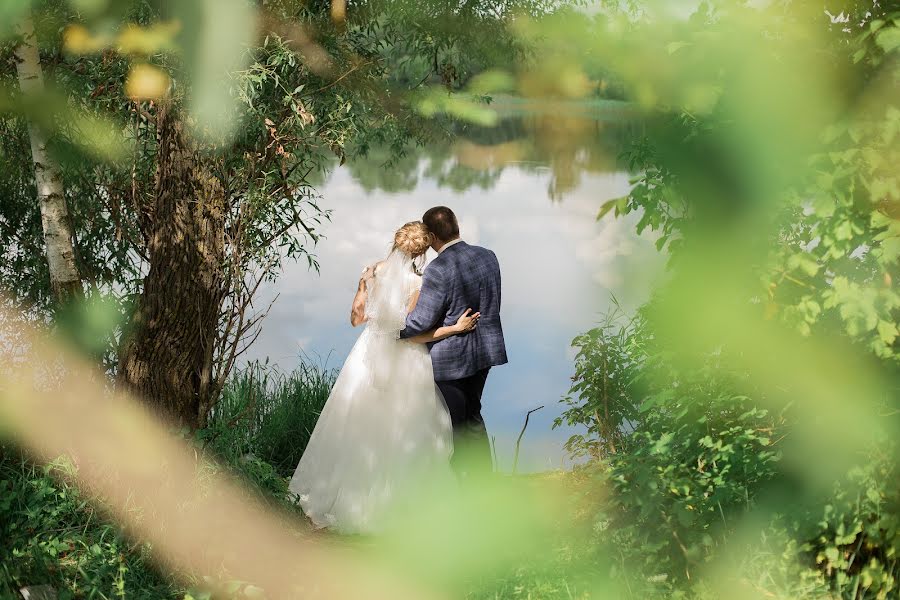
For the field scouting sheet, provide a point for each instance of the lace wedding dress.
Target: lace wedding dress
(385, 433)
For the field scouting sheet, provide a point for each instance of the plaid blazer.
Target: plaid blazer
(460, 277)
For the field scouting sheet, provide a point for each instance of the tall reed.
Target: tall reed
(269, 414)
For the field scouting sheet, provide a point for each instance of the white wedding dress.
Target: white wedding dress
(385, 434)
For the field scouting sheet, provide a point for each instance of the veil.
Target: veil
(392, 288)
(390, 292)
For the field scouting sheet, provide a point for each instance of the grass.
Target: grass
(269, 415)
(51, 535)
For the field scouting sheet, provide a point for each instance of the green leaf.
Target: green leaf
(873, 495)
(674, 47)
(823, 206)
(888, 39)
(606, 207)
(887, 331)
(844, 230)
(661, 242)
(805, 262)
(493, 81)
(890, 250)
(10, 12)
(663, 442)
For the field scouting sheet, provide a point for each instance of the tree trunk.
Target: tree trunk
(167, 356)
(65, 281)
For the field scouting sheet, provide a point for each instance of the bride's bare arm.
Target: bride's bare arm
(358, 309)
(466, 323)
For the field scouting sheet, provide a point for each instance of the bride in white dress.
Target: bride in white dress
(385, 432)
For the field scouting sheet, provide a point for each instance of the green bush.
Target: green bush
(609, 357)
(701, 459)
(693, 454)
(854, 538)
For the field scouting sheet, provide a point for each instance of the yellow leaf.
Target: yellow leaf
(146, 82)
(78, 40)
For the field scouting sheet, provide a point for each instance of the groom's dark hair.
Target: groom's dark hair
(441, 222)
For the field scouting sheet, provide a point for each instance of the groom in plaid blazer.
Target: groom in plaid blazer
(461, 277)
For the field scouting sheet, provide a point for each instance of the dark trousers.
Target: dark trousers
(471, 448)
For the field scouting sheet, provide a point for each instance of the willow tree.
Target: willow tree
(228, 127)
(167, 357)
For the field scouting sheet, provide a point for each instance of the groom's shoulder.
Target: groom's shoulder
(460, 254)
(480, 260)
(465, 248)
(482, 252)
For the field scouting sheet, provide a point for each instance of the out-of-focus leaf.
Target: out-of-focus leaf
(99, 136)
(77, 39)
(10, 12)
(158, 37)
(90, 8)
(438, 101)
(492, 82)
(888, 39)
(146, 82)
(214, 40)
(93, 134)
(674, 47)
(91, 324)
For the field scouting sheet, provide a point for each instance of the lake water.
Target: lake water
(560, 267)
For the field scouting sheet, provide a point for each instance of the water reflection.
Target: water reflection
(559, 268)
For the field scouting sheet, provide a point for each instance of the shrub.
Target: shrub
(853, 539)
(608, 358)
(700, 457)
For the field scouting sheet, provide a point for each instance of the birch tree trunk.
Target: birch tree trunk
(65, 281)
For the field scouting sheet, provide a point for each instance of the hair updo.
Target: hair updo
(412, 239)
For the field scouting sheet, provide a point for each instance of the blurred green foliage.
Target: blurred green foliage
(764, 370)
(51, 532)
(738, 429)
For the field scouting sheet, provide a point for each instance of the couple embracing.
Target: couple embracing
(405, 410)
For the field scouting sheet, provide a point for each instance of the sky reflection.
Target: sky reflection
(559, 266)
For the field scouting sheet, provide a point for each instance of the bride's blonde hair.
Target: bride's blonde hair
(412, 239)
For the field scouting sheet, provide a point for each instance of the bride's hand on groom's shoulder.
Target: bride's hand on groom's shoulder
(467, 321)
